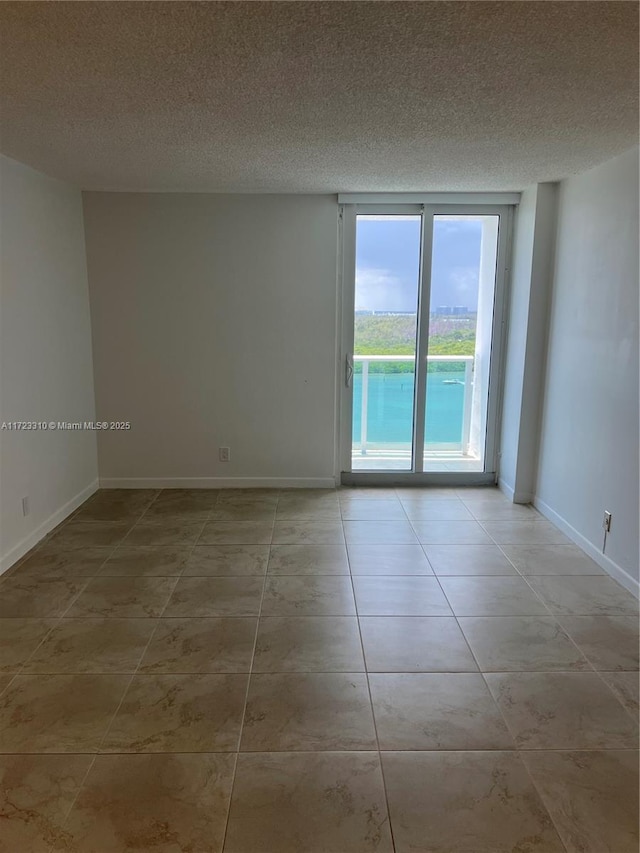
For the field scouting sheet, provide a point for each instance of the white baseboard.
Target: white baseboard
(26, 544)
(606, 563)
(513, 496)
(217, 483)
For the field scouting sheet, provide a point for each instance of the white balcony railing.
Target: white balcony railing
(366, 360)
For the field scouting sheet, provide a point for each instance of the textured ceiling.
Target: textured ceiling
(317, 96)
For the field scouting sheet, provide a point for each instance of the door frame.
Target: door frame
(500, 204)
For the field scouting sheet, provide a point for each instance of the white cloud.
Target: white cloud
(463, 282)
(380, 290)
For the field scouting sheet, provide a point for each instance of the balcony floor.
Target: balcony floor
(436, 462)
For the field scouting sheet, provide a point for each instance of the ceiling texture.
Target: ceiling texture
(317, 96)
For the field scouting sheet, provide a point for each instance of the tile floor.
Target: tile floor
(419, 671)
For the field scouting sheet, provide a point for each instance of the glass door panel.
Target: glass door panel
(461, 308)
(387, 281)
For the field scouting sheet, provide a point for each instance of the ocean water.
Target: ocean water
(390, 409)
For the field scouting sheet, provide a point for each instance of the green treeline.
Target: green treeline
(395, 334)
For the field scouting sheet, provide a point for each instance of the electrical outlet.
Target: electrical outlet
(224, 454)
(606, 523)
(25, 506)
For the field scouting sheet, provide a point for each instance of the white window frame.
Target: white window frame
(429, 205)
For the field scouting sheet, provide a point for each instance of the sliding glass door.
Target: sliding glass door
(385, 326)
(422, 327)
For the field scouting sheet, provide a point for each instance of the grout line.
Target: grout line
(246, 695)
(63, 823)
(539, 792)
(58, 621)
(97, 752)
(516, 751)
(373, 716)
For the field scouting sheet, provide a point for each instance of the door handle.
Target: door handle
(348, 371)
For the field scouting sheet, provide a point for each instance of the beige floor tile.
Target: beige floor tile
(492, 596)
(308, 533)
(179, 713)
(33, 596)
(415, 644)
(19, 638)
(92, 645)
(608, 642)
(480, 493)
(407, 559)
(111, 498)
(160, 803)
(436, 711)
(551, 560)
(122, 511)
(308, 711)
(36, 793)
(496, 510)
(180, 500)
(204, 596)
(412, 494)
(307, 500)
(163, 516)
(314, 511)
(87, 534)
(626, 686)
(517, 643)
(248, 511)
(58, 713)
(201, 645)
(146, 561)
(379, 532)
(437, 511)
(309, 700)
(64, 564)
(591, 796)
(584, 595)
(535, 532)
(366, 510)
(244, 496)
(265, 506)
(236, 533)
(308, 560)
(181, 507)
(562, 710)
(129, 597)
(468, 560)
(465, 802)
(399, 596)
(348, 494)
(308, 595)
(451, 533)
(308, 803)
(308, 644)
(227, 560)
(158, 532)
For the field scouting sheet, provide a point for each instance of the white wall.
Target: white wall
(214, 324)
(45, 356)
(588, 458)
(519, 297)
(531, 278)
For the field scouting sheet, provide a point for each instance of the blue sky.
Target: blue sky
(387, 253)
